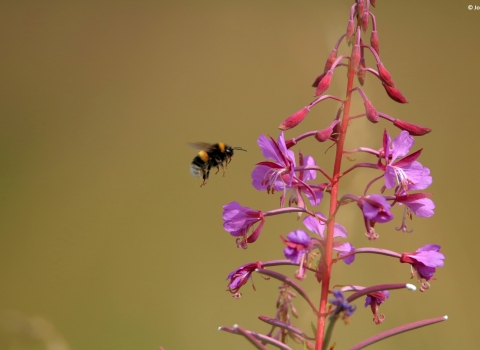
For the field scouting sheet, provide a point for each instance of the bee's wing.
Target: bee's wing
(202, 146)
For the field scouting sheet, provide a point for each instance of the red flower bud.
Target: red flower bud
(350, 30)
(373, 3)
(360, 7)
(413, 129)
(324, 84)
(371, 112)
(384, 74)
(330, 60)
(361, 73)
(355, 59)
(394, 93)
(317, 80)
(374, 41)
(324, 135)
(295, 119)
(365, 21)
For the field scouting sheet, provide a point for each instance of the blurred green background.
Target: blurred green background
(107, 242)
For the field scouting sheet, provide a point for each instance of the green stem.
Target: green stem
(329, 332)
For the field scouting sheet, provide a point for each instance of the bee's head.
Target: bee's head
(229, 152)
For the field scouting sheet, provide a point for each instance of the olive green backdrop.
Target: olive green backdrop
(108, 242)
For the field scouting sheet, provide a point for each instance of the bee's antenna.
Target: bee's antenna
(240, 149)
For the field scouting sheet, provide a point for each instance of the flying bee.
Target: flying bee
(217, 155)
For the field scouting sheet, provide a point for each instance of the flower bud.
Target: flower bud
(355, 59)
(365, 21)
(350, 30)
(324, 84)
(360, 7)
(324, 135)
(295, 119)
(361, 73)
(374, 41)
(384, 74)
(317, 80)
(373, 3)
(330, 60)
(413, 129)
(394, 93)
(371, 112)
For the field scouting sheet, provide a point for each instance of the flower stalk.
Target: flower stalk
(328, 257)
(398, 330)
(319, 244)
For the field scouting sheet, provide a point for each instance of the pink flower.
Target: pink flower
(269, 175)
(318, 227)
(239, 221)
(424, 262)
(375, 300)
(402, 169)
(375, 207)
(239, 277)
(298, 247)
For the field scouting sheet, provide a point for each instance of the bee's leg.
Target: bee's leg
(220, 164)
(205, 176)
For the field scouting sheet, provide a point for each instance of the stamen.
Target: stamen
(425, 286)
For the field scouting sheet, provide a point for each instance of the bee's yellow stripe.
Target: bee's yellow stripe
(203, 155)
(222, 146)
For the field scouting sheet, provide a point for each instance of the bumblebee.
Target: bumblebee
(217, 155)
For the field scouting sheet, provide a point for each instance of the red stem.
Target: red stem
(327, 257)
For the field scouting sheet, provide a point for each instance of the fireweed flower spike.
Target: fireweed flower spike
(424, 262)
(320, 245)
